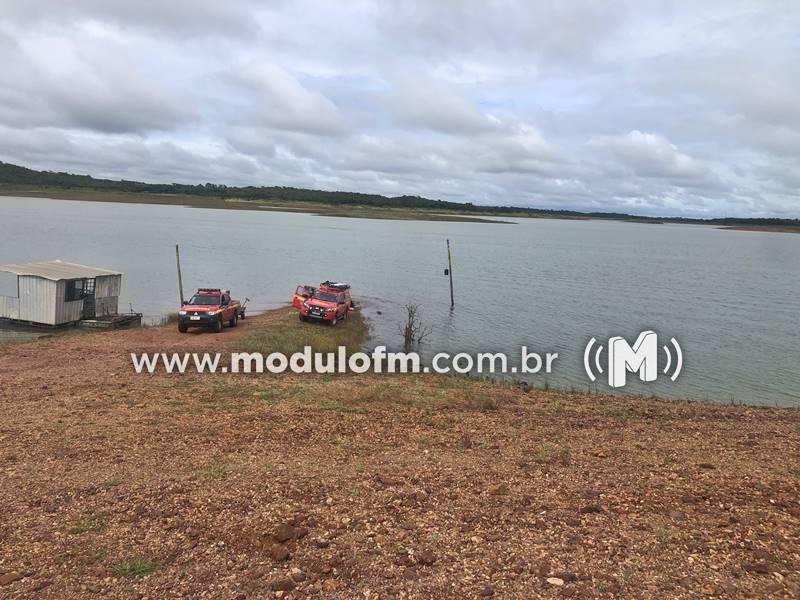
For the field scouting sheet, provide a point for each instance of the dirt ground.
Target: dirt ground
(135, 486)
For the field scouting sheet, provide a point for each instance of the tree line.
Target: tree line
(15, 175)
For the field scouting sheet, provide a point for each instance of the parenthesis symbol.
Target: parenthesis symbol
(679, 363)
(586, 353)
(597, 359)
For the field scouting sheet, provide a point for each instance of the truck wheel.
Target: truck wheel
(334, 321)
(302, 318)
(234, 321)
(217, 325)
(182, 328)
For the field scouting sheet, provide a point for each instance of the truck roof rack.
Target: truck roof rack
(209, 290)
(335, 286)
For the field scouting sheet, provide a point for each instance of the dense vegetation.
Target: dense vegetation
(22, 177)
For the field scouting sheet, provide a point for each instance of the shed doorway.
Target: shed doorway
(82, 289)
(89, 305)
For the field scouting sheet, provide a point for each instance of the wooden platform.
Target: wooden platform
(112, 321)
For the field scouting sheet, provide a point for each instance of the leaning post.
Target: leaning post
(180, 277)
(450, 272)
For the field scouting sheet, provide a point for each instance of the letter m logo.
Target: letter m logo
(643, 357)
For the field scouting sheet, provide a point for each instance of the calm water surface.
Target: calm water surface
(731, 298)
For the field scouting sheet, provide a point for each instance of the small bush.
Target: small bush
(215, 472)
(134, 568)
(88, 522)
(480, 400)
(663, 535)
(550, 453)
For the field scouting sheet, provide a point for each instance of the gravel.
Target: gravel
(136, 486)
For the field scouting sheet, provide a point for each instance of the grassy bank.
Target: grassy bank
(325, 210)
(288, 334)
(234, 486)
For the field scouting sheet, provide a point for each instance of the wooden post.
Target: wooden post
(180, 277)
(450, 271)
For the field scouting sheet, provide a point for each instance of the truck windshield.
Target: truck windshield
(204, 300)
(325, 296)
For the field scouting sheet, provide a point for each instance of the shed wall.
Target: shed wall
(66, 312)
(9, 307)
(37, 300)
(106, 306)
(106, 292)
(107, 286)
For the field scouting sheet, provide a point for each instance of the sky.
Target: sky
(671, 108)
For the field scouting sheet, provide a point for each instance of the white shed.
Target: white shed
(56, 292)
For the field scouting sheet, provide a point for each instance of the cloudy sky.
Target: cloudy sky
(651, 107)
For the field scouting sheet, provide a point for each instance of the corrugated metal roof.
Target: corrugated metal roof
(55, 270)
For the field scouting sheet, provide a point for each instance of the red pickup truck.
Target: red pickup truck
(210, 308)
(329, 302)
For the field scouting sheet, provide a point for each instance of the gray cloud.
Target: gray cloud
(417, 100)
(205, 17)
(278, 100)
(547, 31)
(61, 83)
(684, 109)
(649, 155)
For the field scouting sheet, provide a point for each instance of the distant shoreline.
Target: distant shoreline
(767, 228)
(22, 181)
(324, 210)
(346, 211)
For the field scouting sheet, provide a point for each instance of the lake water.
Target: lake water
(731, 298)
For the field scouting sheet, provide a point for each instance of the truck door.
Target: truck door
(301, 294)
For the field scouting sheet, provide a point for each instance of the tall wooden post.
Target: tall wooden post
(450, 271)
(180, 277)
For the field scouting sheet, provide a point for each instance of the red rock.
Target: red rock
(282, 584)
(499, 490)
(298, 576)
(41, 585)
(279, 552)
(10, 578)
(761, 568)
(591, 508)
(284, 532)
(386, 480)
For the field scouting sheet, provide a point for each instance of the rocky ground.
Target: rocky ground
(135, 486)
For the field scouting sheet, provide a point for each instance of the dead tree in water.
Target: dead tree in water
(414, 330)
